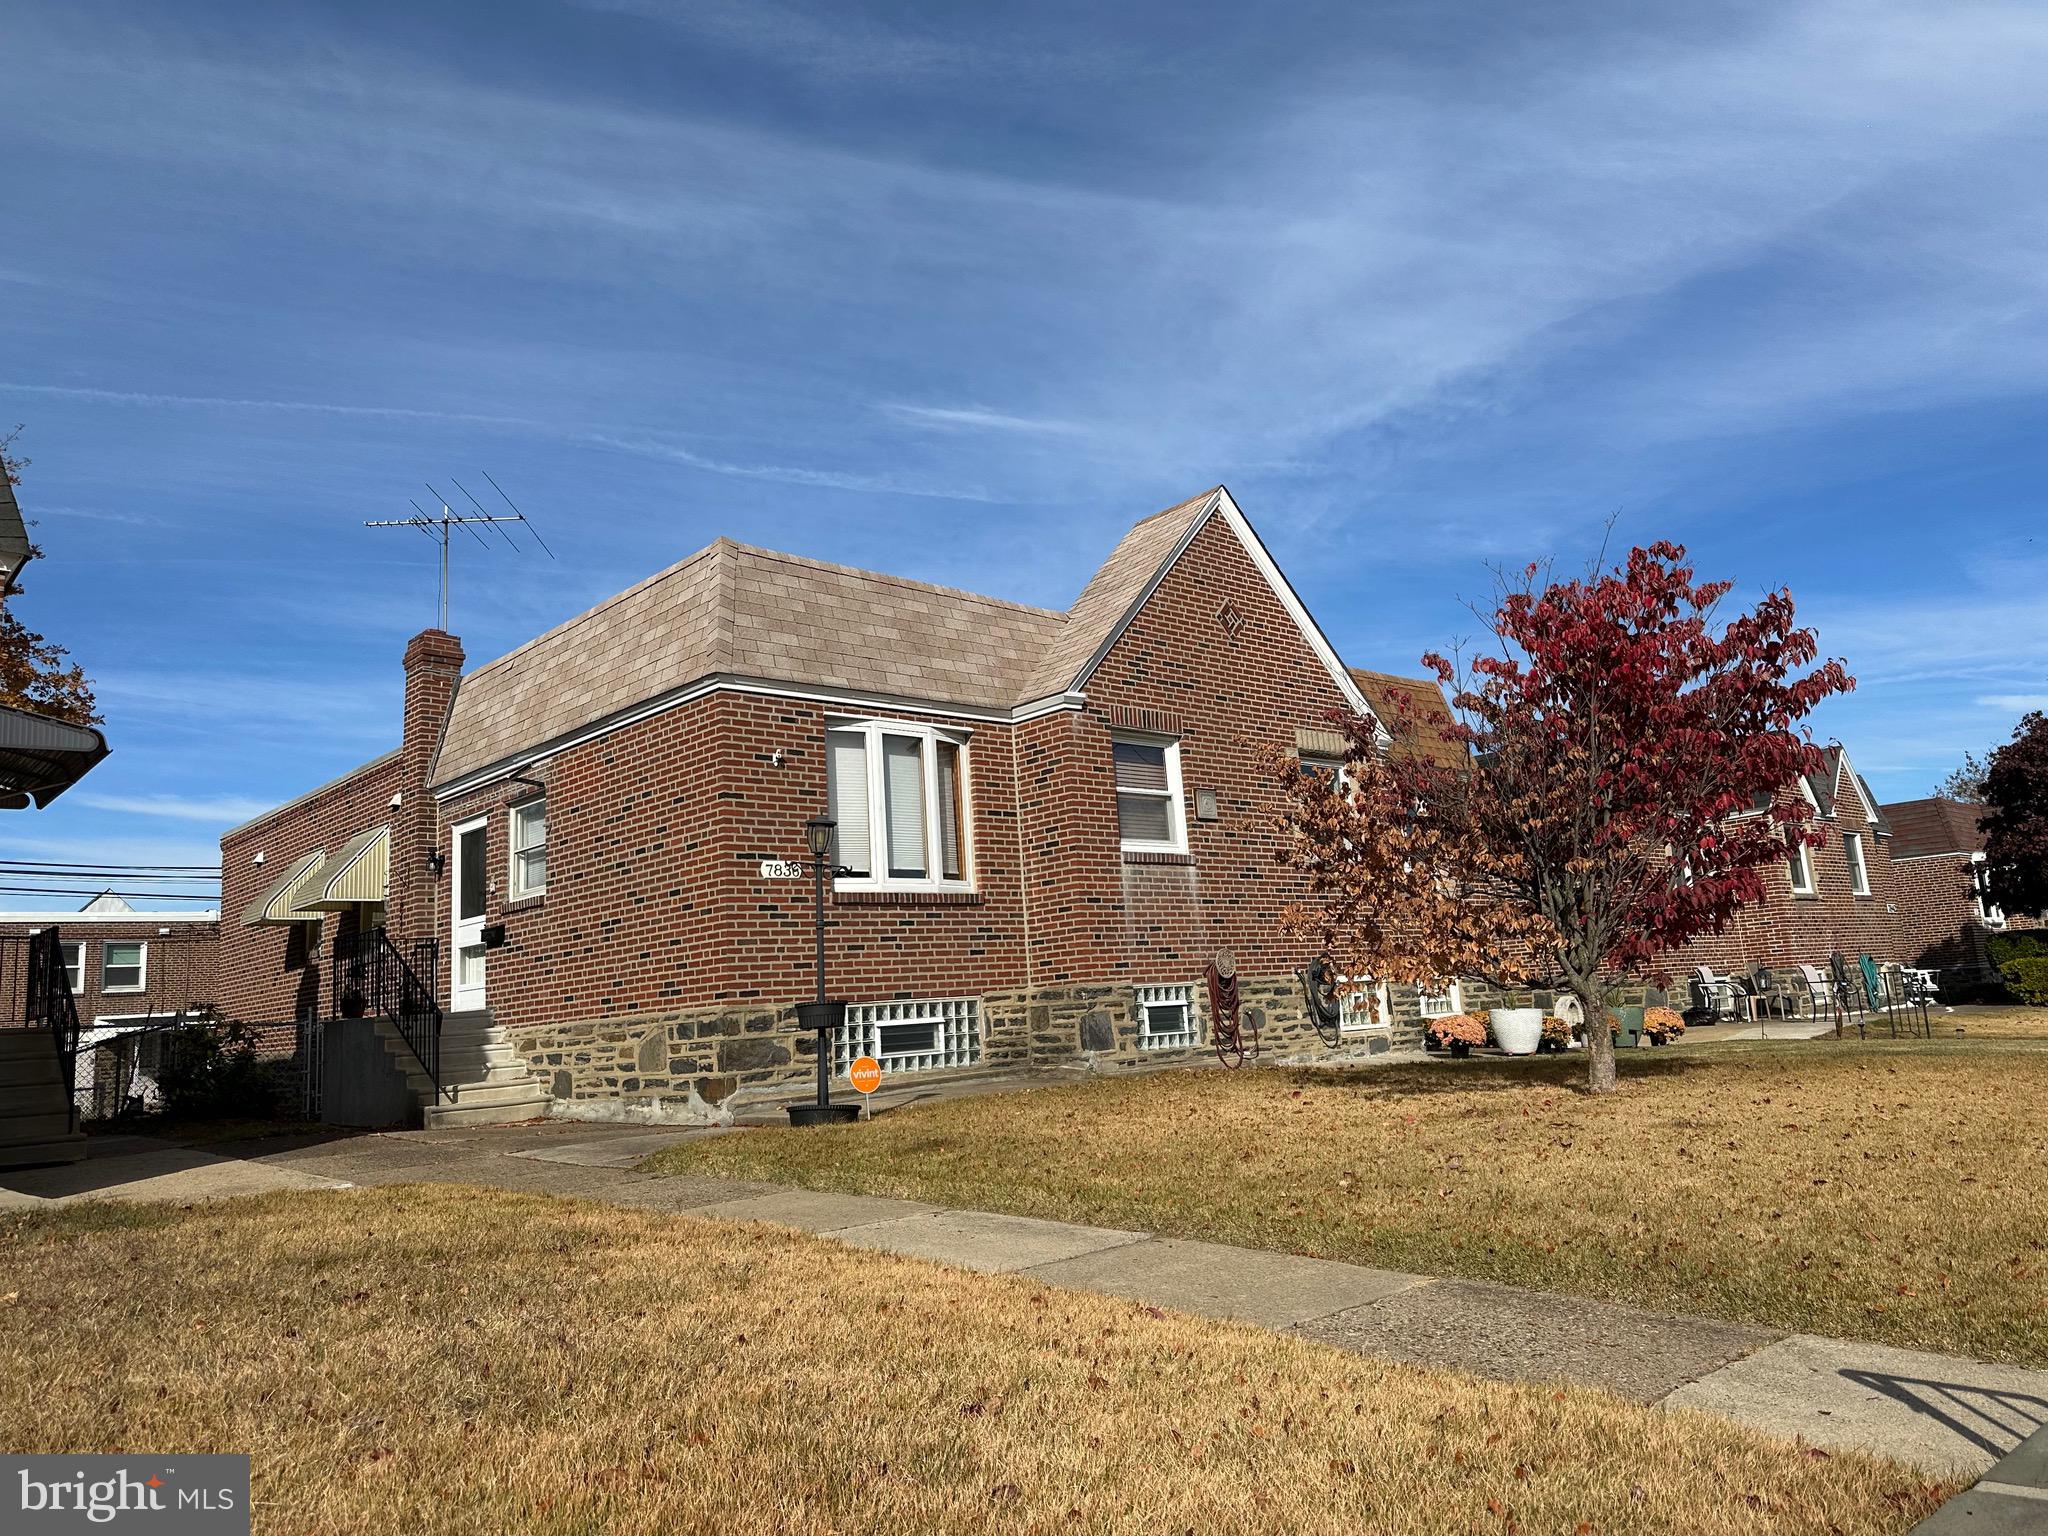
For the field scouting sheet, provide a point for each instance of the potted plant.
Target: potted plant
(1663, 1025)
(1459, 1032)
(1518, 1030)
(353, 1004)
(1557, 1034)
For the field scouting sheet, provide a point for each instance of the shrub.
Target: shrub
(1663, 1025)
(1458, 1028)
(2001, 947)
(1556, 1033)
(2028, 978)
(210, 1072)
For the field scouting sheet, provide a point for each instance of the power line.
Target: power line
(43, 890)
(83, 864)
(74, 872)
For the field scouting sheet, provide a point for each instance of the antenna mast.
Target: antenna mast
(439, 528)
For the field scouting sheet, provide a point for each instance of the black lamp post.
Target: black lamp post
(826, 1016)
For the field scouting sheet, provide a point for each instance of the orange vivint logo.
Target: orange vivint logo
(865, 1074)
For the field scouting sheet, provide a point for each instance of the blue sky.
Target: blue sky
(960, 291)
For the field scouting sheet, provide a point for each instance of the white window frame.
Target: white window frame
(1176, 811)
(1175, 995)
(141, 967)
(1859, 869)
(515, 876)
(74, 964)
(1989, 913)
(929, 737)
(1799, 865)
(1354, 1017)
(956, 1025)
(1440, 1005)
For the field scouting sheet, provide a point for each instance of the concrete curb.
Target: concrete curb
(2009, 1500)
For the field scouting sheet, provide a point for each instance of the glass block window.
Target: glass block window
(1440, 1005)
(916, 1035)
(1166, 1017)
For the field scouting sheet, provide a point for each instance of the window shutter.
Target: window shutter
(903, 779)
(949, 811)
(848, 770)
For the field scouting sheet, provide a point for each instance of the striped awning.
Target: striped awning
(355, 875)
(279, 905)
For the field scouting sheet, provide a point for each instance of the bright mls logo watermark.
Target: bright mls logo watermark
(161, 1495)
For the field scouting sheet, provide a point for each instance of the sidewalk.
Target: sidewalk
(1933, 1411)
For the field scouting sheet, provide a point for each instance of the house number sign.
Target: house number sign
(782, 869)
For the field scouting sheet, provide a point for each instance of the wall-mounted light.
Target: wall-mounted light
(257, 861)
(437, 861)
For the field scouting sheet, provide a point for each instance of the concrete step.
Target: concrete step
(508, 1112)
(26, 1044)
(69, 1148)
(36, 1125)
(20, 1098)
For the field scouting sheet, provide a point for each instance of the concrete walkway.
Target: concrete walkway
(1932, 1411)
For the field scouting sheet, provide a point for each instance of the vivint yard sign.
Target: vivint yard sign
(158, 1495)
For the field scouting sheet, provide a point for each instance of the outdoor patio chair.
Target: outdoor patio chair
(1721, 996)
(1819, 992)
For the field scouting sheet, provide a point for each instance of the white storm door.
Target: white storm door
(469, 873)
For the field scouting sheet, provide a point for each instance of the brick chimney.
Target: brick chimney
(433, 668)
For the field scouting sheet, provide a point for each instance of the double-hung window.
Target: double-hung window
(74, 963)
(1149, 817)
(1799, 860)
(124, 965)
(529, 844)
(1859, 872)
(899, 794)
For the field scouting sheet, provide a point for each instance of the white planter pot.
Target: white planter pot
(1518, 1031)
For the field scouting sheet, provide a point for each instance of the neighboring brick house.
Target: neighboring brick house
(1055, 821)
(1843, 896)
(124, 965)
(1944, 914)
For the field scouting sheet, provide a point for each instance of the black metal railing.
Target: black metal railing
(373, 979)
(48, 1003)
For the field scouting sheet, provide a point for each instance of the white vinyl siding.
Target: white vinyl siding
(899, 793)
(124, 965)
(529, 844)
(1149, 818)
(1859, 872)
(912, 1035)
(1166, 1017)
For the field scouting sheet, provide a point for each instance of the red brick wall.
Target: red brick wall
(178, 971)
(1938, 917)
(267, 975)
(1096, 914)
(1787, 930)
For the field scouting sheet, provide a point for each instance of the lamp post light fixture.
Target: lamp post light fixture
(825, 1015)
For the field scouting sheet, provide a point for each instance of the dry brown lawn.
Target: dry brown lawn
(437, 1359)
(1864, 1189)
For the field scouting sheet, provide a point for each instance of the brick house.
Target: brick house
(1053, 821)
(1944, 915)
(127, 970)
(1844, 896)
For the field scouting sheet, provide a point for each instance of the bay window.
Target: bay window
(899, 794)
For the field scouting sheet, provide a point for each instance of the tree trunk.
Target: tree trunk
(1599, 1037)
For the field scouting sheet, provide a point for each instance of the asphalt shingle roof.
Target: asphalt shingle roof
(1933, 825)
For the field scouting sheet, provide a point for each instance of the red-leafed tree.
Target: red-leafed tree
(36, 673)
(2015, 819)
(1630, 774)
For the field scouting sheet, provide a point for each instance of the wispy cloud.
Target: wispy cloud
(224, 810)
(981, 418)
(2017, 703)
(218, 402)
(790, 474)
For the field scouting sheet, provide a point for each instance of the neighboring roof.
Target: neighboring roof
(138, 915)
(14, 543)
(1113, 595)
(109, 903)
(40, 757)
(1413, 711)
(312, 794)
(1933, 826)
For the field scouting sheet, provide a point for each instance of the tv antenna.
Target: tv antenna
(439, 526)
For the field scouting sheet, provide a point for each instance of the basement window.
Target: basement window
(1440, 1005)
(1166, 1018)
(912, 1035)
(899, 794)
